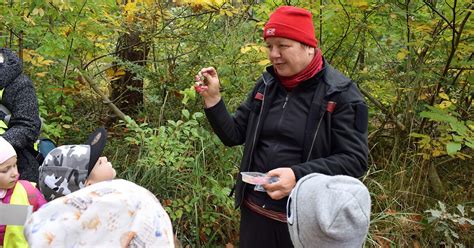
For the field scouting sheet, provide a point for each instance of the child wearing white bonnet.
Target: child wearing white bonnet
(328, 212)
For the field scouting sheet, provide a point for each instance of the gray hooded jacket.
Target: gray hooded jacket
(24, 126)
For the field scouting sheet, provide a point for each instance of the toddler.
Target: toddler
(69, 168)
(14, 191)
(113, 213)
(89, 209)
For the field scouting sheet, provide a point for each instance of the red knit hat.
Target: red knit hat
(291, 23)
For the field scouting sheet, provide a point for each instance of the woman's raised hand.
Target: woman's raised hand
(207, 85)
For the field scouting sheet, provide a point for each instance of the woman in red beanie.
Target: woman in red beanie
(302, 117)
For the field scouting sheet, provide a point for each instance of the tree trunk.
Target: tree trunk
(435, 181)
(127, 91)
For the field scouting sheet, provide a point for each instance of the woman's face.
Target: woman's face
(288, 57)
(8, 173)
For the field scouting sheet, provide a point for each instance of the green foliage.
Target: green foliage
(57, 37)
(459, 130)
(450, 224)
(181, 162)
(413, 59)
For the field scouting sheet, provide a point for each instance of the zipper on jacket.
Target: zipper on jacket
(254, 138)
(286, 100)
(315, 135)
(283, 112)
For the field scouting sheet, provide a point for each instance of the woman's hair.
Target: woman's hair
(305, 46)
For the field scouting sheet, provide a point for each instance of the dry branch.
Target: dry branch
(86, 80)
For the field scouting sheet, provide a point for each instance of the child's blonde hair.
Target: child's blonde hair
(6, 150)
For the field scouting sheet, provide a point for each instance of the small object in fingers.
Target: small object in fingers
(258, 178)
(200, 79)
(200, 88)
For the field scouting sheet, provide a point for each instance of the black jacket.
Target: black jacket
(335, 141)
(24, 126)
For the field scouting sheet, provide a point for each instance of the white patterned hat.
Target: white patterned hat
(115, 213)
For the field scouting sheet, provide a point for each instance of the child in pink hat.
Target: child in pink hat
(14, 191)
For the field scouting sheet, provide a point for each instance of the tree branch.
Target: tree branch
(384, 110)
(87, 80)
(439, 14)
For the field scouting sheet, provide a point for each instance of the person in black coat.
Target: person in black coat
(20, 122)
(302, 117)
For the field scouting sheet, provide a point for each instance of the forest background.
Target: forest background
(129, 66)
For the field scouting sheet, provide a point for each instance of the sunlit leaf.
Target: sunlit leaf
(41, 74)
(38, 11)
(264, 62)
(402, 54)
(443, 96)
(445, 104)
(437, 152)
(363, 4)
(245, 49)
(185, 113)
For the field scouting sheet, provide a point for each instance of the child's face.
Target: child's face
(8, 173)
(102, 171)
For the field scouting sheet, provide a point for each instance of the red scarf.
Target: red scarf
(314, 67)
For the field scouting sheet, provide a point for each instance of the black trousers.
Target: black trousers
(258, 231)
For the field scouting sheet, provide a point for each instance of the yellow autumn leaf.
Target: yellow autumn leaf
(264, 62)
(443, 96)
(109, 72)
(27, 55)
(101, 45)
(437, 152)
(217, 2)
(129, 18)
(360, 4)
(423, 96)
(149, 2)
(130, 7)
(402, 54)
(245, 49)
(37, 11)
(228, 13)
(41, 74)
(35, 62)
(28, 20)
(114, 74)
(47, 62)
(119, 73)
(445, 104)
(40, 61)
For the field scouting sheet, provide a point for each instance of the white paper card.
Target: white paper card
(11, 214)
